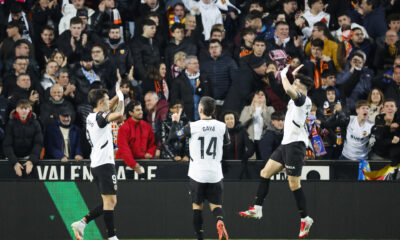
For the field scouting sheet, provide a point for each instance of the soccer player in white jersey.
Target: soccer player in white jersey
(290, 154)
(206, 139)
(99, 135)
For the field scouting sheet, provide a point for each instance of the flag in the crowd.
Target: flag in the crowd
(382, 174)
(363, 167)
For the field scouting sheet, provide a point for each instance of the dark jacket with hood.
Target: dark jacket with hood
(23, 139)
(50, 109)
(175, 147)
(121, 55)
(54, 141)
(144, 55)
(269, 142)
(240, 146)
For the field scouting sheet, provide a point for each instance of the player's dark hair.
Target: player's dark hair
(305, 80)
(317, 43)
(278, 115)
(259, 39)
(95, 95)
(330, 89)
(177, 26)
(393, 17)
(227, 112)
(96, 85)
(361, 103)
(208, 104)
(343, 14)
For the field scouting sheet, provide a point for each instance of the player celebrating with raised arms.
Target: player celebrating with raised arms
(206, 139)
(99, 135)
(290, 154)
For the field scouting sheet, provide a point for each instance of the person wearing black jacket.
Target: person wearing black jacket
(119, 51)
(104, 67)
(189, 87)
(272, 137)
(72, 42)
(83, 75)
(23, 139)
(386, 134)
(240, 146)
(105, 16)
(24, 90)
(145, 49)
(45, 46)
(178, 149)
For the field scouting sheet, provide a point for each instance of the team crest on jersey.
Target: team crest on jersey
(364, 133)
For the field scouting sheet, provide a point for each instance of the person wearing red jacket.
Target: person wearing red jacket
(135, 137)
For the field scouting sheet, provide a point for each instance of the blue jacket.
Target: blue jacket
(355, 86)
(54, 141)
(375, 23)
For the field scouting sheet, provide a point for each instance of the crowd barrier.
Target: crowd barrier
(54, 170)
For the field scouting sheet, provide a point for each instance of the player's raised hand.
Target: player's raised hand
(297, 70)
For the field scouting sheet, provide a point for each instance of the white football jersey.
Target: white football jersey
(295, 129)
(357, 138)
(206, 147)
(99, 135)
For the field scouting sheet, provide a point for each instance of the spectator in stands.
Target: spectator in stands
(20, 66)
(176, 15)
(358, 132)
(383, 80)
(246, 46)
(62, 138)
(14, 33)
(345, 23)
(156, 81)
(119, 51)
(23, 48)
(178, 150)
(216, 34)
(45, 46)
(189, 87)
(240, 147)
(318, 96)
(178, 67)
(219, 69)
(282, 40)
(360, 42)
(333, 119)
(73, 41)
(104, 67)
(312, 16)
(393, 90)
(394, 23)
(272, 137)
(50, 108)
(17, 14)
(84, 75)
(156, 110)
(256, 118)
(209, 12)
(135, 136)
(386, 133)
(49, 77)
(45, 13)
(63, 79)
(178, 43)
(321, 31)
(23, 139)
(192, 29)
(24, 90)
(258, 50)
(289, 7)
(275, 92)
(145, 49)
(60, 58)
(355, 80)
(71, 11)
(387, 50)
(318, 63)
(374, 18)
(375, 101)
(105, 16)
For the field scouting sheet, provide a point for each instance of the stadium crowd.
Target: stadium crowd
(166, 55)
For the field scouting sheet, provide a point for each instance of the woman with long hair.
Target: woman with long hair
(156, 81)
(375, 101)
